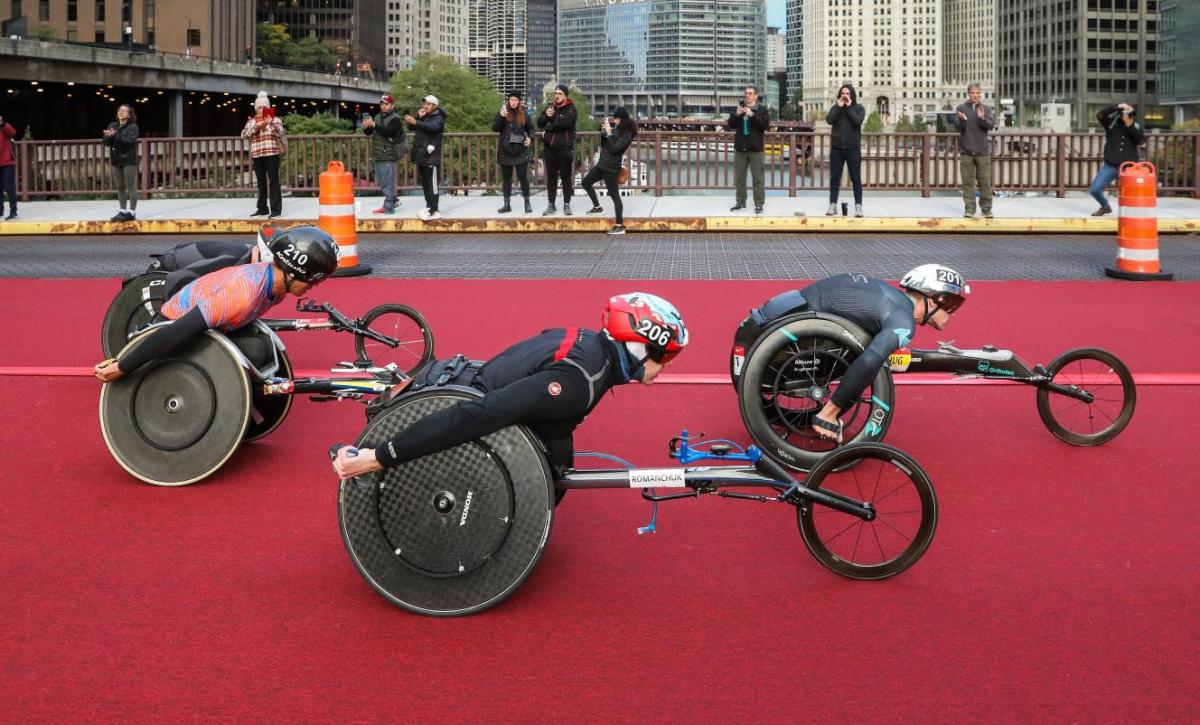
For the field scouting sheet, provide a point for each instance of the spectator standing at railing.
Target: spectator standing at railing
(388, 143)
(8, 169)
(428, 128)
(749, 122)
(973, 120)
(514, 127)
(845, 119)
(557, 121)
(1122, 135)
(268, 141)
(614, 142)
(121, 137)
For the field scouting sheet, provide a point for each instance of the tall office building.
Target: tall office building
(414, 27)
(1179, 59)
(795, 47)
(889, 50)
(776, 90)
(1087, 53)
(356, 25)
(513, 44)
(662, 57)
(969, 52)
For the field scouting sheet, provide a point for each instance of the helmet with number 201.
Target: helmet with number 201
(938, 282)
(305, 253)
(648, 319)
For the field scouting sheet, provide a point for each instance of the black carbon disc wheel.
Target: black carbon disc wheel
(267, 412)
(453, 533)
(1114, 397)
(414, 338)
(135, 305)
(177, 420)
(906, 512)
(791, 371)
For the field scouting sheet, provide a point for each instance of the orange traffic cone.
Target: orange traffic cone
(336, 216)
(1137, 225)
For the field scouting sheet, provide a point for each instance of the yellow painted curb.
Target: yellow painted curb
(559, 224)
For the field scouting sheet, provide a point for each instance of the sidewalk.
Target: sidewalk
(885, 212)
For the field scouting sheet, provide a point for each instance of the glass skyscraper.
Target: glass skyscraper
(662, 57)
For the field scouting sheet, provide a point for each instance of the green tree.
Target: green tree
(273, 43)
(468, 99)
(309, 54)
(874, 123)
(305, 159)
(792, 110)
(43, 32)
(322, 124)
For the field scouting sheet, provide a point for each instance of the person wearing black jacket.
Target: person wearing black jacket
(388, 143)
(515, 135)
(845, 119)
(427, 152)
(749, 121)
(121, 137)
(549, 382)
(1122, 135)
(557, 121)
(614, 142)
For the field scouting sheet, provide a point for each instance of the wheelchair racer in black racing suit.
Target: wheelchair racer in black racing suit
(548, 383)
(928, 295)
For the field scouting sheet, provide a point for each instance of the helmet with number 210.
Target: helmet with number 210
(306, 253)
(648, 319)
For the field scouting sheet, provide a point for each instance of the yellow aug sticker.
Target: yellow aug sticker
(899, 360)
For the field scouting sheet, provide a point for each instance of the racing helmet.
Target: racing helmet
(263, 242)
(306, 253)
(641, 318)
(940, 283)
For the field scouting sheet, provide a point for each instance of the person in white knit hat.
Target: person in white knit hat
(268, 141)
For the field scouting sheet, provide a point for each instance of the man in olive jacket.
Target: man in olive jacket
(1122, 135)
(388, 143)
(749, 122)
(973, 120)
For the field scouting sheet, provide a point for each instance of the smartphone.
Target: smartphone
(742, 103)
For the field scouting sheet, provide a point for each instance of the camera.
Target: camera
(1130, 113)
(742, 103)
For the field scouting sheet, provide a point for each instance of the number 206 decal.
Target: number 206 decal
(656, 334)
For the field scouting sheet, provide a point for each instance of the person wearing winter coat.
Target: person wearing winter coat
(615, 137)
(268, 140)
(974, 120)
(845, 119)
(121, 137)
(514, 129)
(388, 144)
(1122, 136)
(557, 121)
(749, 121)
(428, 126)
(8, 169)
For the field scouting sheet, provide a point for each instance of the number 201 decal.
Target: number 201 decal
(656, 334)
(949, 276)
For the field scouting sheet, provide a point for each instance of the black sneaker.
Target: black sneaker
(275, 215)
(758, 208)
(528, 207)
(504, 209)
(259, 212)
(738, 206)
(10, 217)
(550, 210)
(567, 210)
(617, 229)
(595, 210)
(118, 217)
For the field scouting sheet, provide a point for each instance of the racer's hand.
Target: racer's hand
(349, 466)
(829, 414)
(107, 371)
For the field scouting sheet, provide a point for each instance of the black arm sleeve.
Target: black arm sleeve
(896, 332)
(164, 340)
(526, 399)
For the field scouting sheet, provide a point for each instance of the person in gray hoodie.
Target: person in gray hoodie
(845, 121)
(973, 120)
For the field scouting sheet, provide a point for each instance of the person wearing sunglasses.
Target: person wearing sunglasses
(549, 383)
(928, 295)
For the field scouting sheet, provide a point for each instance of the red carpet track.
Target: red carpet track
(1060, 586)
(1152, 326)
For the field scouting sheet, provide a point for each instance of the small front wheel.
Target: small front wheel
(413, 336)
(905, 505)
(1099, 374)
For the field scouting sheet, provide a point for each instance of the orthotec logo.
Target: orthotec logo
(987, 369)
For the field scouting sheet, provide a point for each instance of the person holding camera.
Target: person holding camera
(845, 119)
(557, 121)
(615, 138)
(388, 143)
(1122, 135)
(749, 122)
(8, 169)
(429, 127)
(268, 141)
(121, 137)
(515, 129)
(973, 120)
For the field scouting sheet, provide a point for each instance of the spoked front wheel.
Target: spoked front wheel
(414, 338)
(1099, 374)
(905, 505)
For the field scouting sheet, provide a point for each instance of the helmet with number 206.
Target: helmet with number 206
(645, 318)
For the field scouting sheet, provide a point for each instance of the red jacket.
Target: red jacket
(8, 150)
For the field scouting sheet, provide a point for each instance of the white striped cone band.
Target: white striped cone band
(1137, 255)
(335, 210)
(1138, 212)
(345, 251)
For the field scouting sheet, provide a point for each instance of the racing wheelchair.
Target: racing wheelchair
(456, 532)
(393, 331)
(786, 361)
(178, 419)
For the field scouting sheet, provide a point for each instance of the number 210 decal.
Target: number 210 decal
(656, 334)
